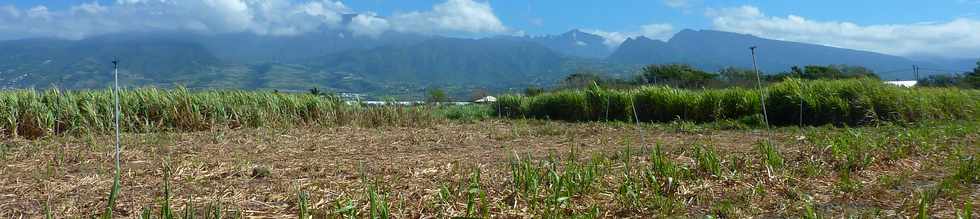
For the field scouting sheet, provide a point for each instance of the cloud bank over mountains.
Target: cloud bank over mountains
(265, 17)
(959, 37)
(659, 31)
(275, 17)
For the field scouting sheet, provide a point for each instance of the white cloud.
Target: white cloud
(652, 31)
(328, 12)
(264, 17)
(452, 16)
(123, 2)
(39, 12)
(271, 17)
(368, 25)
(612, 39)
(657, 31)
(957, 38)
(91, 8)
(677, 3)
(465, 16)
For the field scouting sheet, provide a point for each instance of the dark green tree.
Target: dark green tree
(835, 72)
(854, 71)
(972, 79)
(737, 76)
(533, 91)
(796, 71)
(437, 95)
(580, 80)
(679, 75)
(941, 81)
(821, 72)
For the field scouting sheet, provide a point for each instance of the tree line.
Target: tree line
(687, 76)
(970, 79)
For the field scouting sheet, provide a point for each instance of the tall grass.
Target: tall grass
(32, 113)
(851, 102)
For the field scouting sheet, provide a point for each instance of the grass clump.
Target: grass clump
(708, 161)
(966, 212)
(378, 204)
(846, 184)
(967, 170)
(304, 205)
(549, 186)
(476, 196)
(526, 176)
(770, 155)
(662, 166)
(852, 151)
(345, 208)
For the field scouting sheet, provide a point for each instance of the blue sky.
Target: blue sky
(624, 15)
(940, 28)
(555, 16)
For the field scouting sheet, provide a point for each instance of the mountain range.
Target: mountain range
(713, 50)
(399, 64)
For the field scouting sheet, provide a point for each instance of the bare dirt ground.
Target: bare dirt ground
(71, 176)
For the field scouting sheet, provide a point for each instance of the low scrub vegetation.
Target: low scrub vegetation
(970, 79)
(666, 181)
(920, 155)
(470, 171)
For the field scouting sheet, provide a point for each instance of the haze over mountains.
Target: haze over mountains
(398, 63)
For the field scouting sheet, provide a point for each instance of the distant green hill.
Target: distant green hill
(86, 63)
(451, 60)
(575, 43)
(395, 64)
(714, 50)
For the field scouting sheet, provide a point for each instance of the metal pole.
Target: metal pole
(115, 97)
(116, 177)
(762, 95)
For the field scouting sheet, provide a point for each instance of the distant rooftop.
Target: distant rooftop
(903, 83)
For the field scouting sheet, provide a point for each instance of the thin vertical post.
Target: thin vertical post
(115, 97)
(762, 95)
(607, 106)
(915, 71)
(636, 119)
(800, 78)
(116, 177)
